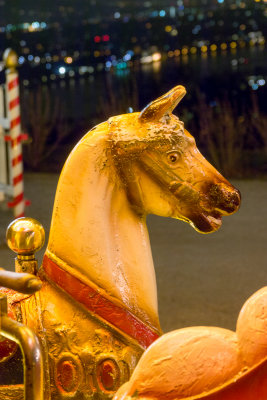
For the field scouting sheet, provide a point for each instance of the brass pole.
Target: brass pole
(21, 282)
(31, 351)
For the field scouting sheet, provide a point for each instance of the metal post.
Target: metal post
(3, 155)
(13, 115)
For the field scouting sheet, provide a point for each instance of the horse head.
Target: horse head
(163, 170)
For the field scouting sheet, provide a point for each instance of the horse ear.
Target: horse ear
(164, 105)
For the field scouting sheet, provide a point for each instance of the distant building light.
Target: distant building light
(255, 86)
(146, 59)
(168, 28)
(130, 110)
(105, 38)
(21, 60)
(71, 73)
(30, 57)
(43, 25)
(52, 77)
(35, 25)
(62, 70)
(37, 59)
(108, 64)
(162, 13)
(127, 57)
(117, 15)
(156, 57)
(97, 39)
(220, 1)
(48, 66)
(172, 12)
(68, 60)
(44, 78)
(223, 46)
(261, 82)
(26, 82)
(22, 43)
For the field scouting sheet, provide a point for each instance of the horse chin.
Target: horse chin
(206, 223)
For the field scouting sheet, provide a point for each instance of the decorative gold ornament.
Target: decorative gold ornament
(25, 236)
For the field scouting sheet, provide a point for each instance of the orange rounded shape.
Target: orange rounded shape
(252, 327)
(186, 362)
(66, 373)
(108, 375)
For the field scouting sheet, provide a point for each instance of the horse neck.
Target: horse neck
(96, 233)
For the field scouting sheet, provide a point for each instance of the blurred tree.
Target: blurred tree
(45, 122)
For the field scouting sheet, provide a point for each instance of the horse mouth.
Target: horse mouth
(206, 223)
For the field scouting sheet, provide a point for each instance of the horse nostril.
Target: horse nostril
(226, 198)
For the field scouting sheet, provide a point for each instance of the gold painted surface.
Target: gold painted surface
(11, 392)
(73, 338)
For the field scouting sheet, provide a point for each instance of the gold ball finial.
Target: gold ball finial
(25, 236)
(10, 58)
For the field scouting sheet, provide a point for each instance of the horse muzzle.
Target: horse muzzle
(225, 198)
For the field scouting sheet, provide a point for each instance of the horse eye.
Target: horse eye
(173, 157)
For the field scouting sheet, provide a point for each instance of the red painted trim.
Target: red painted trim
(20, 138)
(17, 179)
(15, 122)
(12, 84)
(14, 103)
(16, 200)
(100, 305)
(16, 160)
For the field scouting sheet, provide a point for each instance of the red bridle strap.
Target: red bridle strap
(96, 303)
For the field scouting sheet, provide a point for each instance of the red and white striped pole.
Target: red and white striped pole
(13, 115)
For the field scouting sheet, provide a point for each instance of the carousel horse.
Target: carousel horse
(96, 312)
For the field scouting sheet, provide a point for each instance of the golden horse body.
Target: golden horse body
(97, 312)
